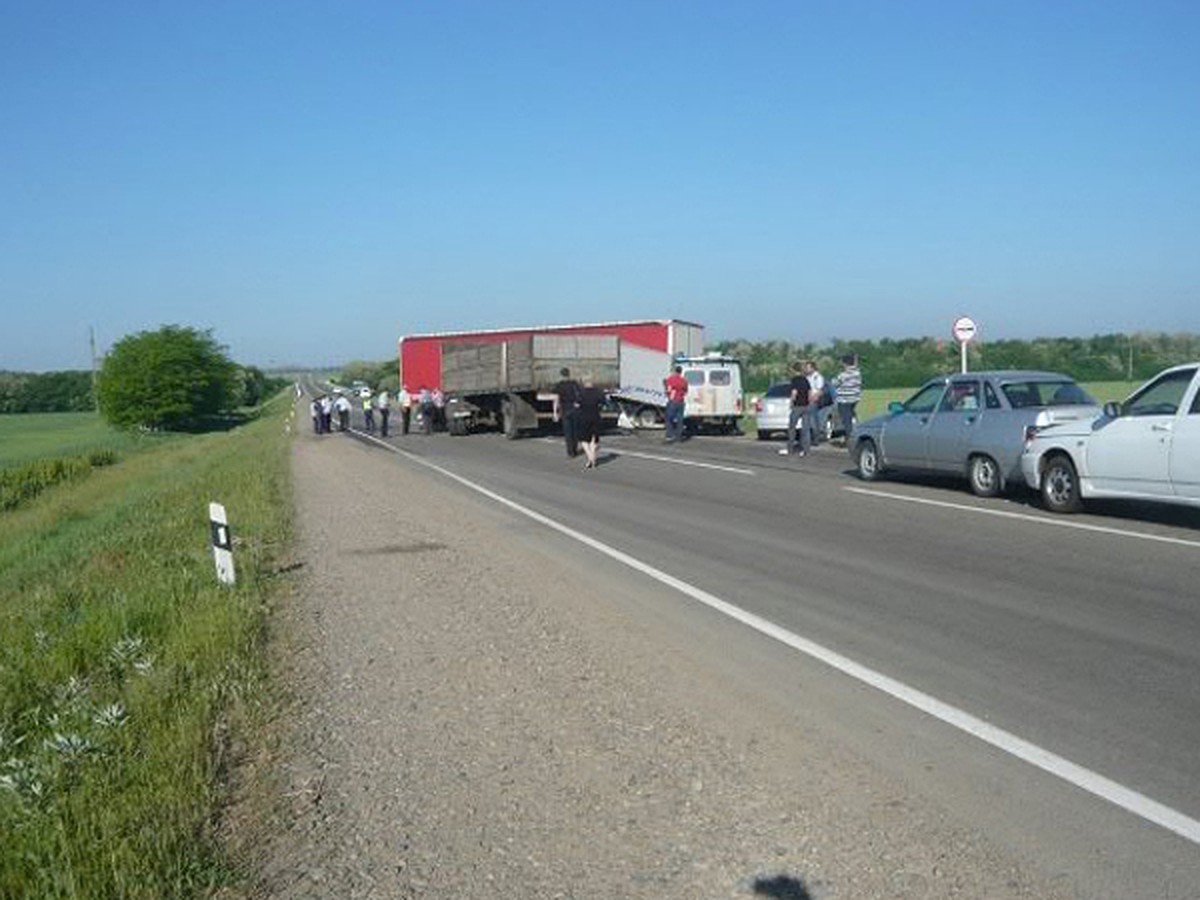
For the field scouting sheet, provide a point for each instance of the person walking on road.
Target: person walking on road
(591, 398)
(677, 387)
(384, 403)
(342, 405)
(566, 410)
(404, 398)
(425, 410)
(314, 409)
(368, 403)
(796, 416)
(439, 410)
(326, 414)
(848, 388)
(816, 393)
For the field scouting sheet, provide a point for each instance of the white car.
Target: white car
(1147, 448)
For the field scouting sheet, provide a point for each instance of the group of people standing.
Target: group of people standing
(577, 405)
(810, 394)
(324, 407)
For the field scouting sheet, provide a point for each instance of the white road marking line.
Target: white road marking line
(1026, 517)
(672, 459)
(1094, 783)
(682, 462)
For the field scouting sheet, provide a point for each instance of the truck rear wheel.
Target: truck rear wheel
(647, 417)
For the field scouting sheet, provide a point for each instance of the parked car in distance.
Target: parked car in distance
(772, 409)
(973, 424)
(1146, 448)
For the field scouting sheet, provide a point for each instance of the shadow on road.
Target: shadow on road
(781, 887)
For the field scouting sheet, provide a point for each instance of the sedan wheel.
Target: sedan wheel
(1060, 486)
(984, 476)
(867, 459)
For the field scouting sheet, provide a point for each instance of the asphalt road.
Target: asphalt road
(1078, 638)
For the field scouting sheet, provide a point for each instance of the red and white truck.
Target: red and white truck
(505, 377)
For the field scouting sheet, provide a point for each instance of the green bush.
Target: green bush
(171, 379)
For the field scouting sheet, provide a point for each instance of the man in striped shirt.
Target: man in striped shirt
(847, 386)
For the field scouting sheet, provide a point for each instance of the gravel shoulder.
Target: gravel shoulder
(475, 717)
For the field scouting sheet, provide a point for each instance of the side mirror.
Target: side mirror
(895, 407)
(1112, 409)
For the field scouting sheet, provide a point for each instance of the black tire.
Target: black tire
(763, 434)
(1060, 485)
(984, 476)
(866, 460)
(456, 426)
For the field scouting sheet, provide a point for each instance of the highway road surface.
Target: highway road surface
(1036, 677)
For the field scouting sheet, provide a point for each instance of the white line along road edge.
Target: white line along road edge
(1092, 782)
(1026, 517)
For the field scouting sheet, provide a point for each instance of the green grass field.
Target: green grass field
(124, 662)
(30, 436)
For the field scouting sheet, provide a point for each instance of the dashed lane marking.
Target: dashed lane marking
(1026, 517)
(671, 459)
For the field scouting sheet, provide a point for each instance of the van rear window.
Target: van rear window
(694, 377)
(720, 377)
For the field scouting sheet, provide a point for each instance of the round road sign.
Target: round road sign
(965, 329)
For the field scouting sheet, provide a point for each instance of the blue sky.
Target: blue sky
(313, 179)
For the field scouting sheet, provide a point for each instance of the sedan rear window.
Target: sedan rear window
(1027, 394)
(783, 389)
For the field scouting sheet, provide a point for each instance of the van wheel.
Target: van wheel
(984, 476)
(866, 457)
(763, 434)
(1060, 485)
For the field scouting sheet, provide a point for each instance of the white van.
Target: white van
(714, 397)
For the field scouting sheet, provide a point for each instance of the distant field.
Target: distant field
(25, 437)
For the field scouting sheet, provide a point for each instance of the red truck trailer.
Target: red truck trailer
(505, 377)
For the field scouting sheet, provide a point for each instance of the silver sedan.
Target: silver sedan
(974, 425)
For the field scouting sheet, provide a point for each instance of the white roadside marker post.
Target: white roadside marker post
(222, 543)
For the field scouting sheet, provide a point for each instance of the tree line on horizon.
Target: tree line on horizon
(174, 377)
(908, 362)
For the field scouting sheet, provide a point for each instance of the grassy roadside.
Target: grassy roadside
(122, 661)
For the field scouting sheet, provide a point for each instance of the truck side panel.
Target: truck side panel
(590, 357)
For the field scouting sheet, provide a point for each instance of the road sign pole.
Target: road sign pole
(222, 543)
(964, 331)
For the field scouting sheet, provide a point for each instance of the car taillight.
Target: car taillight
(1031, 431)
(757, 407)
